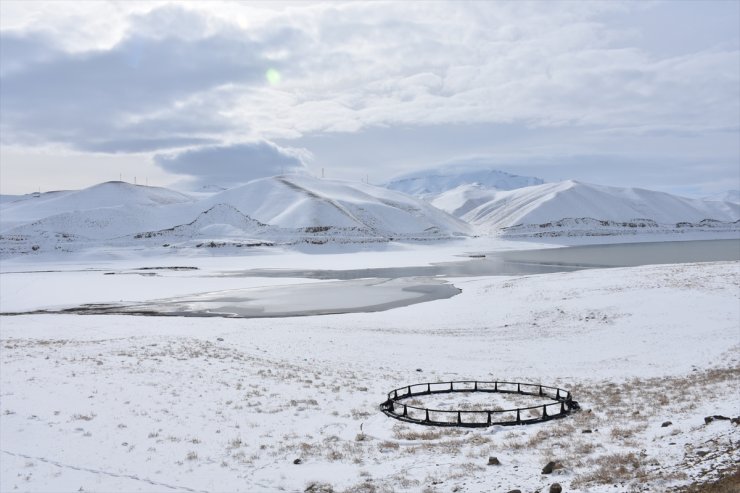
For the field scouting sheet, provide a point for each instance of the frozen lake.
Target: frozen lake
(325, 291)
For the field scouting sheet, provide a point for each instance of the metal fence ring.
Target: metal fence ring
(562, 404)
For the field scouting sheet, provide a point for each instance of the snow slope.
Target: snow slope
(552, 202)
(434, 181)
(462, 199)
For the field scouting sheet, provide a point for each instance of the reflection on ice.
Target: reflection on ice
(361, 295)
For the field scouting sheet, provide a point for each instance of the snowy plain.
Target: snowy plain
(127, 403)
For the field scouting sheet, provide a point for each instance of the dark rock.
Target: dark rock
(514, 491)
(666, 424)
(419, 369)
(735, 421)
(717, 417)
(297, 461)
(493, 461)
(551, 466)
(220, 339)
(586, 431)
(556, 488)
(702, 453)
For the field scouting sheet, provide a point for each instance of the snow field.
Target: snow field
(151, 404)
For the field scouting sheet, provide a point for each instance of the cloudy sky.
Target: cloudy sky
(630, 94)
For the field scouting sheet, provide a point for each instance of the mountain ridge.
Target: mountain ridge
(437, 180)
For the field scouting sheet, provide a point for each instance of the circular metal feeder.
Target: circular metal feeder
(562, 405)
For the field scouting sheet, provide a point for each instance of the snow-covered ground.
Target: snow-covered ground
(127, 403)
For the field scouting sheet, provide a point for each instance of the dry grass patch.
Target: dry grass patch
(730, 483)
(611, 469)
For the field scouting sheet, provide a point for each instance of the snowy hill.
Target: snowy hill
(110, 194)
(295, 209)
(544, 205)
(300, 202)
(17, 199)
(282, 209)
(434, 181)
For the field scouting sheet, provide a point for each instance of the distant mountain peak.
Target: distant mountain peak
(437, 180)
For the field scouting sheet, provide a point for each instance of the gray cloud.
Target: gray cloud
(17, 51)
(352, 66)
(227, 165)
(550, 78)
(92, 99)
(143, 144)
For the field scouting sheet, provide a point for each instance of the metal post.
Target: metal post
(426, 418)
(476, 385)
(518, 420)
(429, 389)
(451, 386)
(519, 388)
(557, 394)
(495, 386)
(409, 389)
(540, 390)
(562, 407)
(405, 411)
(459, 418)
(544, 412)
(489, 418)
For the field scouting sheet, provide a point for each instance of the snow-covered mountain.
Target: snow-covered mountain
(434, 181)
(104, 195)
(301, 209)
(285, 209)
(552, 202)
(297, 201)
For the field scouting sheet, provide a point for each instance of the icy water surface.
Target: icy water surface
(325, 298)
(524, 262)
